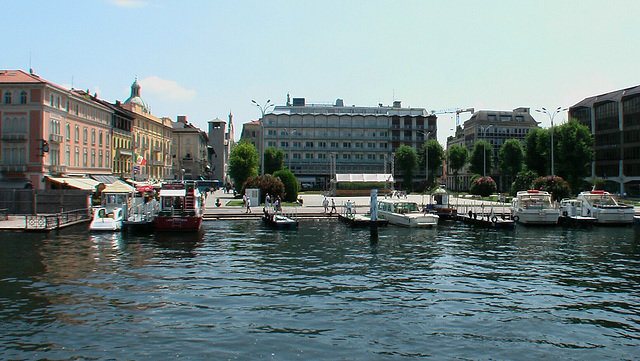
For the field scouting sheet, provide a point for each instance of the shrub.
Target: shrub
(291, 185)
(267, 184)
(557, 186)
(483, 186)
(523, 182)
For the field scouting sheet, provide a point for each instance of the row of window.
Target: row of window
(334, 145)
(8, 97)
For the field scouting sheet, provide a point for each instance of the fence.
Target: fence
(53, 221)
(43, 201)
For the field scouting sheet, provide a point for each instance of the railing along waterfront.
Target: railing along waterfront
(54, 221)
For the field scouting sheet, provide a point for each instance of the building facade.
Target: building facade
(189, 151)
(614, 121)
(221, 140)
(321, 140)
(495, 127)
(48, 132)
(152, 139)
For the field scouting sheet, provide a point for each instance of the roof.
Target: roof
(614, 96)
(104, 178)
(21, 77)
(118, 187)
(364, 177)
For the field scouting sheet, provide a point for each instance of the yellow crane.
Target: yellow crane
(457, 111)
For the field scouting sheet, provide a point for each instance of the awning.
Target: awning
(104, 178)
(80, 183)
(364, 177)
(173, 192)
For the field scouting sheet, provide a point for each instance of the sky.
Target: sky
(206, 59)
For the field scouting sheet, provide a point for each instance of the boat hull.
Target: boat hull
(178, 224)
(411, 220)
(544, 217)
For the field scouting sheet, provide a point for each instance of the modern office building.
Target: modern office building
(495, 127)
(321, 140)
(614, 121)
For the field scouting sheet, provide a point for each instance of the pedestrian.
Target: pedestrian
(348, 207)
(325, 204)
(248, 205)
(244, 199)
(333, 206)
(267, 200)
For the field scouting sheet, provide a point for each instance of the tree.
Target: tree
(478, 158)
(524, 181)
(483, 186)
(458, 156)
(533, 160)
(273, 160)
(291, 185)
(407, 162)
(510, 158)
(243, 163)
(436, 156)
(574, 153)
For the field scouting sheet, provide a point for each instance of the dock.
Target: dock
(45, 222)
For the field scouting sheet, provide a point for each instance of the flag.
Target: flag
(140, 160)
(136, 169)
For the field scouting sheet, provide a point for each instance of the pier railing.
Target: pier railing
(47, 222)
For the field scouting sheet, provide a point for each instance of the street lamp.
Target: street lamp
(484, 149)
(263, 110)
(426, 154)
(551, 117)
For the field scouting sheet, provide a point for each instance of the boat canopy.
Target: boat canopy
(364, 177)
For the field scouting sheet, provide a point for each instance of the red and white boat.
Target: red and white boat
(605, 208)
(182, 207)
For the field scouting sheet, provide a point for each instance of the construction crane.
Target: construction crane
(453, 110)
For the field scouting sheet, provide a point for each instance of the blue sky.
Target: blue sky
(204, 59)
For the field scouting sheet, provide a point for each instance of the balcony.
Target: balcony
(13, 168)
(144, 146)
(57, 169)
(10, 136)
(123, 152)
(156, 148)
(55, 138)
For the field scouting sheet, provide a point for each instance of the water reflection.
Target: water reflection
(324, 291)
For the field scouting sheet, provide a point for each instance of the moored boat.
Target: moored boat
(181, 207)
(571, 214)
(277, 220)
(605, 208)
(534, 207)
(405, 213)
(106, 219)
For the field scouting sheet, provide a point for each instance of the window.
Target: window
(322, 156)
(77, 157)
(308, 155)
(107, 160)
(23, 97)
(68, 132)
(85, 135)
(93, 137)
(68, 156)
(93, 158)
(100, 139)
(7, 97)
(85, 157)
(77, 135)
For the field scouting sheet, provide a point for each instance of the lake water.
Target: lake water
(240, 291)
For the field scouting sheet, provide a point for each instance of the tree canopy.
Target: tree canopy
(273, 160)
(510, 158)
(436, 156)
(407, 162)
(533, 159)
(243, 163)
(458, 156)
(291, 185)
(574, 153)
(478, 158)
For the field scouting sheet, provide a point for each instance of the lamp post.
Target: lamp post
(263, 110)
(484, 149)
(426, 155)
(551, 117)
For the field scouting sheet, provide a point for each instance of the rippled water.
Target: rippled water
(241, 291)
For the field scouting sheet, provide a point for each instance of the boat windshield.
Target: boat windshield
(601, 199)
(537, 201)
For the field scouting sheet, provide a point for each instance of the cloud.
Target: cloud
(129, 3)
(166, 89)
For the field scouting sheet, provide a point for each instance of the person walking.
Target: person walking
(333, 206)
(248, 205)
(325, 204)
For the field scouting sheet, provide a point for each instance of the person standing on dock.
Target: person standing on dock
(248, 202)
(325, 204)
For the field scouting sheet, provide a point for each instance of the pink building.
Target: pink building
(49, 134)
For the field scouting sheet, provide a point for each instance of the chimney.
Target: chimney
(182, 119)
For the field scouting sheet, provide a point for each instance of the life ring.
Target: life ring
(564, 213)
(494, 219)
(516, 218)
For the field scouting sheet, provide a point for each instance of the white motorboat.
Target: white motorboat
(534, 207)
(106, 220)
(405, 213)
(571, 213)
(605, 208)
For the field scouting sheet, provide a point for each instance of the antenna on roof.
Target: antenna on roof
(71, 82)
(30, 68)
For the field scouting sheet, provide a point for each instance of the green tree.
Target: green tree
(291, 185)
(478, 158)
(533, 159)
(458, 156)
(574, 153)
(436, 156)
(510, 158)
(407, 162)
(243, 163)
(523, 182)
(273, 160)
